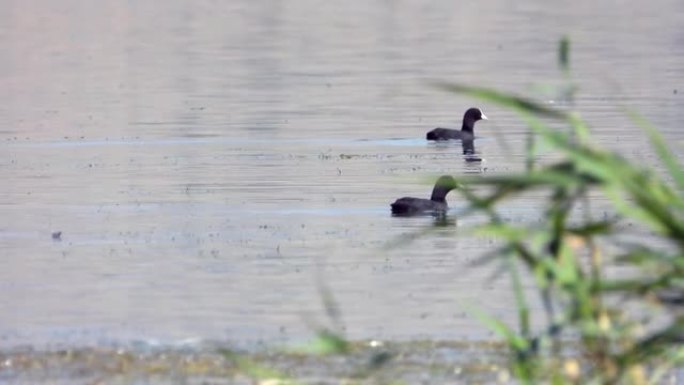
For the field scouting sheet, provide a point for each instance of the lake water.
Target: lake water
(212, 165)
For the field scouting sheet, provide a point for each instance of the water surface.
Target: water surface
(209, 164)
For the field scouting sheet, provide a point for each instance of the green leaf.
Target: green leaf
(517, 103)
(664, 153)
(257, 370)
(592, 228)
(327, 342)
(564, 53)
(513, 340)
(520, 301)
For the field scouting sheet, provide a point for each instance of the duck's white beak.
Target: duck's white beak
(484, 117)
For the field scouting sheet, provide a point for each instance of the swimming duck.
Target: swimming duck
(437, 203)
(466, 132)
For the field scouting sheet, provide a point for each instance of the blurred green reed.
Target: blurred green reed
(612, 285)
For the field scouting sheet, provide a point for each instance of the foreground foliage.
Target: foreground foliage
(612, 286)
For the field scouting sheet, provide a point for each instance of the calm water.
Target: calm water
(210, 163)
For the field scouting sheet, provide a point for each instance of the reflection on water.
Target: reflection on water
(205, 162)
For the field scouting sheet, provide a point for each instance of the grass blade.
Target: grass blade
(517, 103)
(669, 160)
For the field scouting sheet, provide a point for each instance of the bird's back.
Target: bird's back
(444, 134)
(410, 206)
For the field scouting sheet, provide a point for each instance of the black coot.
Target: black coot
(436, 204)
(465, 133)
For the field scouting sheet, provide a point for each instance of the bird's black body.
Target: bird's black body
(437, 203)
(414, 206)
